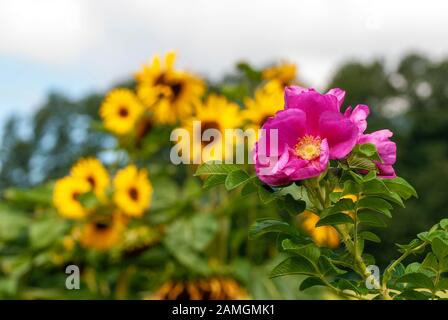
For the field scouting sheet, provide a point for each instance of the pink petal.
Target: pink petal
(339, 94)
(341, 133)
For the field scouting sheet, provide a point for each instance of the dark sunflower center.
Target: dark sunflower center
(102, 225)
(75, 196)
(133, 193)
(123, 112)
(208, 125)
(176, 89)
(91, 180)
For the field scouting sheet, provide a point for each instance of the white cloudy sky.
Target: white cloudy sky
(76, 46)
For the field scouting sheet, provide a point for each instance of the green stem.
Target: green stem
(351, 245)
(391, 268)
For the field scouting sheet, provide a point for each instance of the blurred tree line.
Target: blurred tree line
(410, 99)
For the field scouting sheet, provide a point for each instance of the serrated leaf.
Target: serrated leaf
(293, 206)
(213, 181)
(265, 195)
(375, 204)
(371, 219)
(309, 251)
(327, 268)
(216, 168)
(235, 179)
(401, 187)
(413, 295)
(378, 188)
(263, 226)
(370, 236)
(444, 224)
(311, 282)
(440, 248)
(430, 262)
(350, 187)
(345, 284)
(359, 163)
(416, 280)
(370, 151)
(248, 189)
(343, 205)
(294, 265)
(334, 219)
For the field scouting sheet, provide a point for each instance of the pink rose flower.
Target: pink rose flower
(297, 143)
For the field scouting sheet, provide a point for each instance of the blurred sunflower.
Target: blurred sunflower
(215, 113)
(92, 171)
(266, 102)
(65, 197)
(169, 93)
(285, 73)
(325, 236)
(103, 233)
(120, 111)
(132, 191)
(203, 289)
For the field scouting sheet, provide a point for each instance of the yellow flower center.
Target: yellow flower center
(308, 147)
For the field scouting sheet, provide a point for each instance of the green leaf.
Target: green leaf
(357, 177)
(371, 219)
(188, 237)
(294, 265)
(444, 224)
(401, 187)
(235, 179)
(417, 280)
(311, 282)
(46, 232)
(370, 176)
(334, 219)
(443, 265)
(327, 268)
(263, 226)
(369, 150)
(293, 206)
(430, 262)
(345, 284)
(443, 284)
(350, 187)
(342, 205)
(216, 168)
(375, 204)
(411, 245)
(359, 163)
(378, 188)
(367, 235)
(265, 195)
(248, 189)
(309, 251)
(413, 295)
(440, 248)
(213, 181)
(13, 223)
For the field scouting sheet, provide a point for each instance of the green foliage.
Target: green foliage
(363, 202)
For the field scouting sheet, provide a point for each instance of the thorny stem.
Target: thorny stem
(391, 268)
(351, 245)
